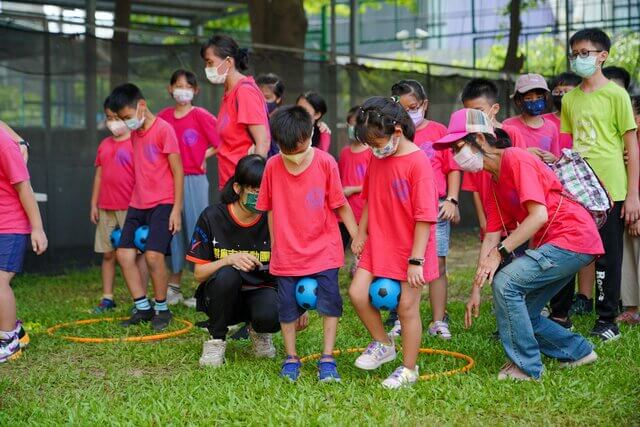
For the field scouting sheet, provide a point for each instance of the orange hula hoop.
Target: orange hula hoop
(426, 377)
(92, 340)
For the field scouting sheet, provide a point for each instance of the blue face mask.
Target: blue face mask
(535, 108)
(584, 67)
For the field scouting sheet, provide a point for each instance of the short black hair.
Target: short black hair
(409, 87)
(290, 125)
(352, 112)
(248, 173)
(188, 76)
(635, 103)
(618, 73)
(378, 117)
(565, 79)
(125, 95)
(107, 103)
(272, 80)
(225, 46)
(480, 88)
(316, 101)
(599, 38)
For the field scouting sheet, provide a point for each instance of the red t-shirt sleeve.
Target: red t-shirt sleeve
(325, 141)
(98, 161)
(470, 182)
(209, 125)
(448, 164)
(169, 141)
(12, 164)
(335, 192)
(423, 193)
(264, 203)
(252, 109)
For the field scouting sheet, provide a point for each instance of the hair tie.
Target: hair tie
(395, 98)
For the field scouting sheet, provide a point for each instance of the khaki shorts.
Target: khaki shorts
(107, 222)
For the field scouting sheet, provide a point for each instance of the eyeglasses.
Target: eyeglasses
(558, 92)
(582, 54)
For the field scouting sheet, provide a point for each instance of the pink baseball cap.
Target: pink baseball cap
(462, 123)
(527, 82)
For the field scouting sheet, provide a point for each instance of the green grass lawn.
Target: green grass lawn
(58, 382)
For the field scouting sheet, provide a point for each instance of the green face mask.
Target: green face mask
(351, 132)
(250, 202)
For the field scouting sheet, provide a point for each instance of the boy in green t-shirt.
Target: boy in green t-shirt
(599, 116)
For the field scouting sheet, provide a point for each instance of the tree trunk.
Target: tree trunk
(120, 43)
(513, 62)
(279, 23)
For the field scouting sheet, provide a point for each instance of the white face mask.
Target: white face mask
(468, 160)
(214, 76)
(117, 127)
(135, 123)
(182, 96)
(388, 150)
(417, 116)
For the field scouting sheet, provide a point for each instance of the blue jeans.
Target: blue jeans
(520, 291)
(196, 199)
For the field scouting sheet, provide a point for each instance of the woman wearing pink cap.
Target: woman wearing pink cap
(528, 199)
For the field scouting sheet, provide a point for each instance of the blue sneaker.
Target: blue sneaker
(104, 306)
(291, 368)
(328, 370)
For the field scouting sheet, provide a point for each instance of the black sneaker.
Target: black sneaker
(391, 320)
(606, 331)
(567, 324)
(161, 320)
(137, 317)
(582, 305)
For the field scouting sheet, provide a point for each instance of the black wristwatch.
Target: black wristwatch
(25, 143)
(452, 200)
(416, 261)
(503, 251)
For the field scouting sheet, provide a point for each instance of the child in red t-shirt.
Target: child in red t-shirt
(561, 84)
(19, 217)
(413, 98)
(401, 201)
(197, 133)
(156, 202)
(316, 106)
(541, 136)
(302, 194)
(353, 163)
(110, 197)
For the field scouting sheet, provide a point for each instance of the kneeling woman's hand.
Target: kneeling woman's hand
(243, 261)
(473, 307)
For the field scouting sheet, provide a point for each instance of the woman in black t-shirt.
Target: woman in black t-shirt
(231, 250)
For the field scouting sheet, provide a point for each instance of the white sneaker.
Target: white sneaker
(190, 302)
(375, 355)
(401, 377)
(589, 358)
(213, 353)
(396, 331)
(262, 345)
(174, 295)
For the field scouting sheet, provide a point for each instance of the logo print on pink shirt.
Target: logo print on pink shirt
(401, 190)
(361, 170)
(151, 152)
(427, 147)
(190, 137)
(223, 121)
(123, 157)
(315, 198)
(545, 143)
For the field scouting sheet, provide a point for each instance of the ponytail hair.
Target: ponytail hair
(248, 174)
(501, 140)
(378, 117)
(226, 47)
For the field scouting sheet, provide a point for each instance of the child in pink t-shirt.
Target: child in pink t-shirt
(19, 217)
(413, 98)
(561, 84)
(110, 197)
(302, 194)
(316, 106)
(156, 202)
(353, 163)
(401, 201)
(197, 133)
(541, 136)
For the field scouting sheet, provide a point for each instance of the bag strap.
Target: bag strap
(504, 227)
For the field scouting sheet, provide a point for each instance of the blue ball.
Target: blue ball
(115, 238)
(140, 237)
(307, 293)
(384, 294)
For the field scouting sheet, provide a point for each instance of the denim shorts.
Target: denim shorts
(12, 250)
(443, 231)
(329, 298)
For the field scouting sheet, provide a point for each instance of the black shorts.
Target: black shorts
(157, 219)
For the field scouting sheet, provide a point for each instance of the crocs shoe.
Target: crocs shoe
(328, 369)
(291, 368)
